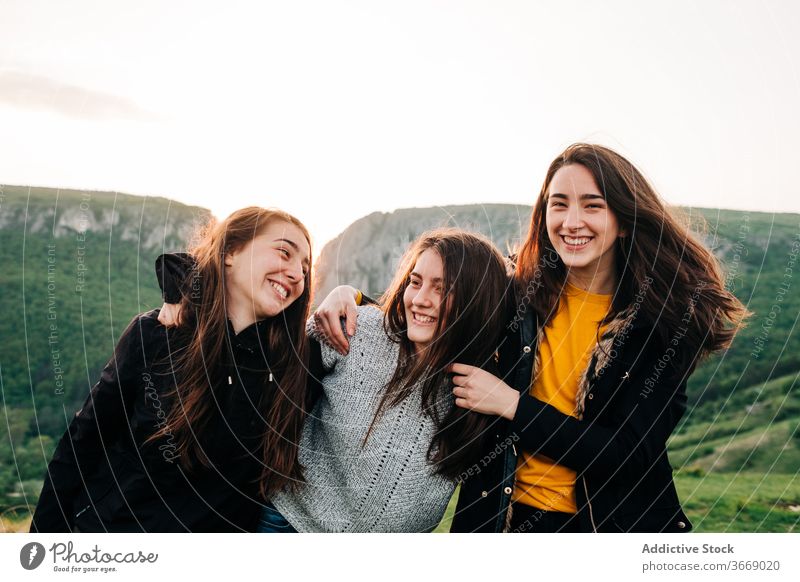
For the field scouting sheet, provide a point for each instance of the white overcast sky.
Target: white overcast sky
(334, 109)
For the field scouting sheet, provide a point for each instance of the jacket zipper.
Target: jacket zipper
(589, 503)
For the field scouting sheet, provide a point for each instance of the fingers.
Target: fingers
(341, 302)
(328, 323)
(324, 328)
(337, 335)
(464, 398)
(468, 398)
(170, 315)
(460, 380)
(460, 369)
(460, 392)
(351, 316)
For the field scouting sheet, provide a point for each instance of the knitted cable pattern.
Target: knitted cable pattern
(385, 484)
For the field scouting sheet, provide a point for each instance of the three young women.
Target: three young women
(616, 303)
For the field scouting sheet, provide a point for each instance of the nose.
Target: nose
(574, 218)
(423, 297)
(294, 271)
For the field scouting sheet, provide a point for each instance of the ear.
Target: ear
(622, 233)
(228, 257)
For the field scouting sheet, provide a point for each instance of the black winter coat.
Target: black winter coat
(631, 395)
(103, 477)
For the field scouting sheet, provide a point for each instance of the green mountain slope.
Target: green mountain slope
(78, 267)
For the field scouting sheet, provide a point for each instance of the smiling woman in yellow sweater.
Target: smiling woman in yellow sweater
(617, 302)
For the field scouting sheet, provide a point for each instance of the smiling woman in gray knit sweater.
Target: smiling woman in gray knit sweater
(384, 445)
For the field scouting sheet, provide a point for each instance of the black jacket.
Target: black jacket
(632, 396)
(103, 477)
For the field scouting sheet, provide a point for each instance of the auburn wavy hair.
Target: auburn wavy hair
(204, 331)
(660, 264)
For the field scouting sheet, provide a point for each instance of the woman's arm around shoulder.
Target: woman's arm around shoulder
(370, 320)
(646, 406)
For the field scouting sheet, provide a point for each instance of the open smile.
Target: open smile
(281, 290)
(576, 243)
(420, 319)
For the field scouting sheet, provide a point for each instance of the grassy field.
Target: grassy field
(10, 522)
(743, 502)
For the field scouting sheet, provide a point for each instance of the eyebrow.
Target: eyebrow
(435, 279)
(582, 196)
(294, 246)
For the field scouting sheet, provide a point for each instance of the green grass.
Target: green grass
(769, 449)
(756, 429)
(741, 502)
(447, 520)
(15, 520)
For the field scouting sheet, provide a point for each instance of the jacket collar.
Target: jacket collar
(252, 339)
(616, 334)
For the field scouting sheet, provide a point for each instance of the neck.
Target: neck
(241, 317)
(595, 282)
(419, 349)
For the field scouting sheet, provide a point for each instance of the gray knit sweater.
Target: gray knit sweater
(386, 485)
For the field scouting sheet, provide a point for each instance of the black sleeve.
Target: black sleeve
(367, 300)
(316, 372)
(101, 420)
(646, 419)
(173, 271)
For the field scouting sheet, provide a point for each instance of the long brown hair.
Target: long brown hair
(473, 311)
(675, 281)
(205, 331)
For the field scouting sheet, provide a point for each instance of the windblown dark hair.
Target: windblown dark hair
(205, 333)
(472, 314)
(676, 282)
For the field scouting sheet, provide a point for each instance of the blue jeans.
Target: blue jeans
(272, 521)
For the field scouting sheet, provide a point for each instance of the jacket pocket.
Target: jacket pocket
(653, 520)
(96, 492)
(102, 493)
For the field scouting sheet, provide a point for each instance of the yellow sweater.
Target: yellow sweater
(564, 352)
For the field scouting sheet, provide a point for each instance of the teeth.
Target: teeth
(283, 291)
(576, 241)
(423, 318)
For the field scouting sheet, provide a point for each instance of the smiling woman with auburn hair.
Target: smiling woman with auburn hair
(189, 428)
